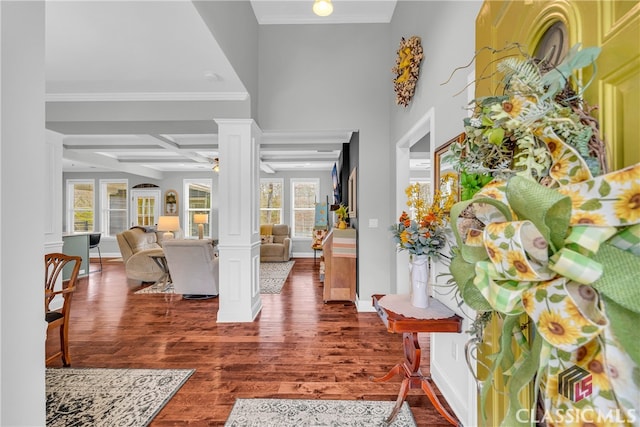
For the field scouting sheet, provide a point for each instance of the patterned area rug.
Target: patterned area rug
(109, 397)
(316, 413)
(272, 278)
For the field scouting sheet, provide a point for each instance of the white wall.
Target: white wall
(22, 203)
(235, 28)
(447, 31)
(320, 77)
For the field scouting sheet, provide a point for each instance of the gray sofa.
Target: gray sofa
(193, 266)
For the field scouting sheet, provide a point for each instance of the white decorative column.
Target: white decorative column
(238, 221)
(22, 208)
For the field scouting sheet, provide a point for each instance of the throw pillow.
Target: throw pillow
(266, 239)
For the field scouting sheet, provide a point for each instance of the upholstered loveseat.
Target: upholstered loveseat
(136, 244)
(276, 243)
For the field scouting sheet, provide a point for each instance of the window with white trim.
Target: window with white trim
(197, 200)
(80, 205)
(305, 192)
(114, 206)
(271, 200)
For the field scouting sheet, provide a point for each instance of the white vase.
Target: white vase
(419, 274)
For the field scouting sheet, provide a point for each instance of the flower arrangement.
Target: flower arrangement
(423, 233)
(553, 237)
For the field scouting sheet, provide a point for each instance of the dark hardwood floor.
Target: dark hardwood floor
(298, 347)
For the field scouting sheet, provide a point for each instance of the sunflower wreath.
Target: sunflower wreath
(556, 239)
(407, 69)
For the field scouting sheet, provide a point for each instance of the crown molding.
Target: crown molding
(146, 96)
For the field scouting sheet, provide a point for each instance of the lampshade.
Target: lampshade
(168, 224)
(200, 218)
(322, 7)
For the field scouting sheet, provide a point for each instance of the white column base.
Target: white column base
(239, 267)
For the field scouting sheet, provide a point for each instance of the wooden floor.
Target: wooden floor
(298, 347)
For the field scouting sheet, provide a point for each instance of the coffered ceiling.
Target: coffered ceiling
(108, 63)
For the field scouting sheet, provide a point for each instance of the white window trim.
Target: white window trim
(104, 203)
(186, 218)
(278, 181)
(294, 181)
(70, 183)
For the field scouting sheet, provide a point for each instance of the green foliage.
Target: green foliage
(471, 183)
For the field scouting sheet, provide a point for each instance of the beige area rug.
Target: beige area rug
(272, 278)
(109, 397)
(316, 413)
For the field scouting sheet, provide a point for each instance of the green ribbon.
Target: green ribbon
(603, 256)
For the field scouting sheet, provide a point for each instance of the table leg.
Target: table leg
(413, 378)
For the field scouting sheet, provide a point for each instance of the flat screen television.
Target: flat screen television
(336, 185)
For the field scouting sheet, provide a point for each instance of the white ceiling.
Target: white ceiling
(105, 59)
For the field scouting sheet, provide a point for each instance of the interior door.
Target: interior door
(145, 207)
(612, 25)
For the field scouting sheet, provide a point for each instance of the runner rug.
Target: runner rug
(272, 278)
(109, 397)
(316, 413)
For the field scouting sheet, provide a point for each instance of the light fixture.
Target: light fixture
(216, 165)
(168, 224)
(322, 7)
(201, 220)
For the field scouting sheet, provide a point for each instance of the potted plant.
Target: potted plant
(341, 212)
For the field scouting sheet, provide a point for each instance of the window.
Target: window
(271, 201)
(197, 201)
(304, 194)
(80, 200)
(113, 204)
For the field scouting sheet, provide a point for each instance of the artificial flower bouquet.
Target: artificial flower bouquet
(424, 231)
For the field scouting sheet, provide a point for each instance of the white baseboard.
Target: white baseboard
(462, 402)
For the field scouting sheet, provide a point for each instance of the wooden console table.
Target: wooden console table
(410, 366)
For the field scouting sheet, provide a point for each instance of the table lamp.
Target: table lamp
(201, 220)
(168, 224)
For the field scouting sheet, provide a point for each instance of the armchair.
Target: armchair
(193, 267)
(280, 249)
(136, 244)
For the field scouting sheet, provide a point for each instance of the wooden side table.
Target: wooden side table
(410, 366)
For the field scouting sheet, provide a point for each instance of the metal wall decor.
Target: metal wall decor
(407, 69)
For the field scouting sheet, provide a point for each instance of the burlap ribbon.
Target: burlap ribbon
(569, 258)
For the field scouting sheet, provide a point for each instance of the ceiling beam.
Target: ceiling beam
(175, 148)
(105, 162)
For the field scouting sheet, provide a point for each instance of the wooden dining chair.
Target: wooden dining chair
(59, 318)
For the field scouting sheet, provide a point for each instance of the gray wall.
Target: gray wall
(235, 28)
(317, 77)
(447, 31)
